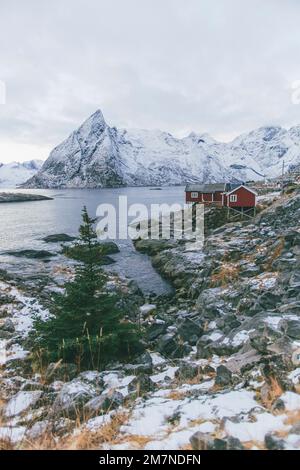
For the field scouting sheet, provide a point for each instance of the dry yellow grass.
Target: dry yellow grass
(107, 434)
(274, 391)
(276, 253)
(186, 447)
(228, 273)
(81, 439)
(136, 441)
(176, 395)
(6, 445)
(293, 417)
(257, 444)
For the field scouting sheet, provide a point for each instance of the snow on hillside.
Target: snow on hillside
(14, 174)
(96, 155)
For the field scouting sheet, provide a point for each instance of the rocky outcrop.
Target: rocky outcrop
(19, 197)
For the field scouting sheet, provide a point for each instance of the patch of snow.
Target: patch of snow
(221, 406)
(151, 417)
(241, 337)
(263, 281)
(292, 442)
(206, 427)
(256, 431)
(174, 441)
(14, 173)
(291, 401)
(212, 325)
(274, 321)
(294, 376)
(215, 336)
(12, 434)
(21, 402)
(167, 373)
(147, 308)
(157, 359)
(204, 386)
(94, 424)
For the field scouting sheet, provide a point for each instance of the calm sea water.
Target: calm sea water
(23, 225)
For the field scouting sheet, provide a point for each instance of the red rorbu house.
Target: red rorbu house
(235, 196)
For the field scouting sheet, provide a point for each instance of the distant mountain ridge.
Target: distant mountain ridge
(97, 155)
(15, 173)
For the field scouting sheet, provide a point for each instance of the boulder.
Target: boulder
(8, 326)
(92, 377)
(104, 403)
(269, 300)
(141, 385)
(37, 430)
(203, 351)
(143, 365)
(72, 396)
(273, 442)
(291, 328)
(169, 346)
(147, 309)
(243, 360)
(223, 377)
(5, 334)
(188, 371)
(58, 237)
(156, 330)
(189, 330)
(204, 441)
(294, 281)
(21, 402)
(31, 254)
(152, 247)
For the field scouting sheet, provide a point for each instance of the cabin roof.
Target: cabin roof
(242, 186)
(217, 187)
(206, 188)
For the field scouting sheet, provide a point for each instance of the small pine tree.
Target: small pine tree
(86, 326)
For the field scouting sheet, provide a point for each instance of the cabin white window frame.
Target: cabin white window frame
(194, 195)
(233, 198)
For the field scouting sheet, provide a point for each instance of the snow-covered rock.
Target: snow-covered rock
(13, 174)
(21, 402)
(97, 155)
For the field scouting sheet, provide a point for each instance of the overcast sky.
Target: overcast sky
(222, 67)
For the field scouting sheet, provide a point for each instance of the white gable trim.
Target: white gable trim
(242, 186)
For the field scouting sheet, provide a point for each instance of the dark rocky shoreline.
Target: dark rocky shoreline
(19, 197)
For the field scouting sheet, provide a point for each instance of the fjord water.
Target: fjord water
(23, 225)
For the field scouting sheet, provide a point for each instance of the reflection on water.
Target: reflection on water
(23, 225)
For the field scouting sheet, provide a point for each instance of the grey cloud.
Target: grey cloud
(220, 67)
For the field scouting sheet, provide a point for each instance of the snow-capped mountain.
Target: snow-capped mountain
(15, 173)
(97, 155)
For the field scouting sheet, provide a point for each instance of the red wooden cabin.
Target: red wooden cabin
(240, 197)
(237, 196)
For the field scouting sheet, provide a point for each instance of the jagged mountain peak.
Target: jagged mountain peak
(201, 138)
(97, 155)
(93, 125)
(96, 117)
